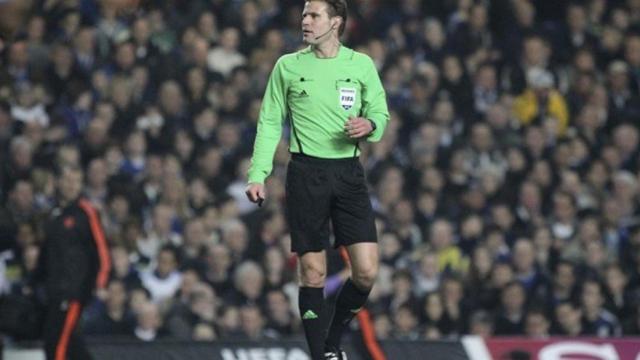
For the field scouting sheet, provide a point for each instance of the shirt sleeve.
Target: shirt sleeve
(270, 122)
(102, 248)
(374, 106)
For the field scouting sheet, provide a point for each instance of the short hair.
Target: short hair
(338, 8)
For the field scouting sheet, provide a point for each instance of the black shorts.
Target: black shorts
(322, 189)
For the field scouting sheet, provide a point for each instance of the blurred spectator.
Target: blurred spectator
(406, 323)
(511, 315)
(537, 324)
(480, 324)
(449, 256)
(149, 323)
(163, 279)
(224, 58)
(597, 321)
(248, 280)
(113, 316)
(280, 318)
(160, 233)
(541, 104)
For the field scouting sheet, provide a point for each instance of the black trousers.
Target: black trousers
(62, 341)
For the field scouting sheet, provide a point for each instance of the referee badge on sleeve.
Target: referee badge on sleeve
(347, 97)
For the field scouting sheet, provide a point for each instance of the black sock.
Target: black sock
(349, 302)
(311, 302)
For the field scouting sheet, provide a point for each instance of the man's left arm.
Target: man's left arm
(374, 101)
(97, 234)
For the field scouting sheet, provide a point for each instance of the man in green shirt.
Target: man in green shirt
(334, 99)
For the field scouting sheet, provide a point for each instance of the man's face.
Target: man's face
(70, 184)
(537, 325)
(567, 316)
(316, 23)
(565, 277)
(166, 263)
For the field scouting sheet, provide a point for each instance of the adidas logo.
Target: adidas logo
(303, 93)
(309, 315)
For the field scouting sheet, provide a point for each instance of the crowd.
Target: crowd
(506, 186)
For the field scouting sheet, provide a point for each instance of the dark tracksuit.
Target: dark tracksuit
(74, 261)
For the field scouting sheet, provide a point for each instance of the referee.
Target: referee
(334, 99)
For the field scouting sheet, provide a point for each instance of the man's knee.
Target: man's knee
(365, 276)
(312, 274)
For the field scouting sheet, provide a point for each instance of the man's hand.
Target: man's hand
(101, 294)
(357, 127)
(256, 193)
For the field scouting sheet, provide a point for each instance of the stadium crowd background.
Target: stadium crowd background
(506, 185)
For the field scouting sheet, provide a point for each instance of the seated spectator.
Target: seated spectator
(441, 238)
(563, 287)
(541, 103)
(402, 293)
(149, 323)
(405, 323)
(253, 323)
(427, 275)
(595, 318)
(536, 324)
(113, 316)
(123, 270)
(280, 317)
(248, 281)
(229, 323)
(524, 262)
(511, 314)
(481, 324)
(160, 234)
(568, 319)
(164, 279)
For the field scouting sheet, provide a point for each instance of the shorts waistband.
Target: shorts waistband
(307, 159)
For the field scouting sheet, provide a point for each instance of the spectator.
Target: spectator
(620, 300)
(113, 317)
(405, 323)
(537, 324)
(597, 321)
(480, 324)
(160, 234)
(449, 256)
(511, 316)
(163, 280)
(564, 287)
(248, 280)
(427, 275)
(149, 323)
(568, 317)
(224, 58)
(280, 318)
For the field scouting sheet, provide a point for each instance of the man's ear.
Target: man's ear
(335, 24)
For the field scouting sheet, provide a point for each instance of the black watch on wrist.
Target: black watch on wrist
(373, 126)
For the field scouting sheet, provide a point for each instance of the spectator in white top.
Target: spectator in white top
(225, 57)
(28, 109)
(164, 280)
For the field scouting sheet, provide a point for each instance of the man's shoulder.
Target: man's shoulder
(358, 56)
(295, 55)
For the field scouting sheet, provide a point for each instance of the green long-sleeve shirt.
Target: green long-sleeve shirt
(318, 95)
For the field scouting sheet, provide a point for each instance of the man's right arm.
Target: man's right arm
(272, 114)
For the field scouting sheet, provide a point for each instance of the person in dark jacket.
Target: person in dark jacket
(74, 261)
